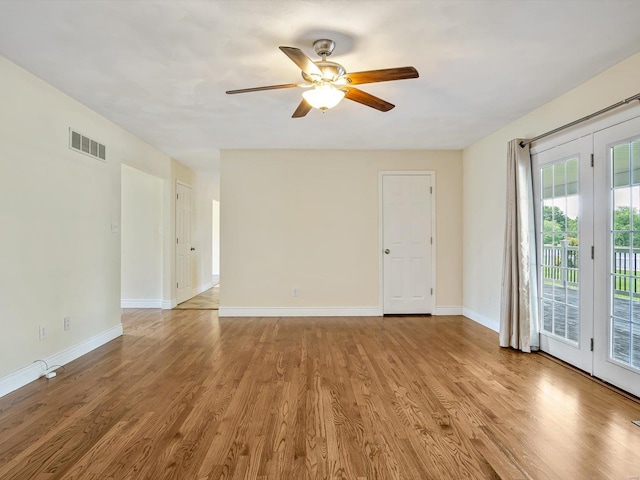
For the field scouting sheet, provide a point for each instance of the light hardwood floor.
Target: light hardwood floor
(207, 300)
(184, 395)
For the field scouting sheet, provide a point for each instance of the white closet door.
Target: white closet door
(407, 243)
(185, 252)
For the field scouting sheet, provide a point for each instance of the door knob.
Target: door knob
(387, 251)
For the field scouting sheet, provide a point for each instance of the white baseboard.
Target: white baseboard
(448, 311)
(19, 378)
(169, 304)
(491, 323)
(141, 303)
(317, 311)
(299, 312)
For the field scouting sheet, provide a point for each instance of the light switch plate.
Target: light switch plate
(115, 227)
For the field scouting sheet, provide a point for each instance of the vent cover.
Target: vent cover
(83, 144)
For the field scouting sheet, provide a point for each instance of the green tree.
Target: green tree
(554, 214)
(626, 218)
(557, 227)
(551, 229)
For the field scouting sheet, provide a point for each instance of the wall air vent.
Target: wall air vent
(82, 144)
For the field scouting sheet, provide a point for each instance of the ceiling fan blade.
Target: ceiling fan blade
(302, 109)
(268, 87)
(367, 99)
(385, 75)
(301, 59)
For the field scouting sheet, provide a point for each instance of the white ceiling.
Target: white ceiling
(160, 68)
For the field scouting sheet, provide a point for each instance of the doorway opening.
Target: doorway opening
(215, 242)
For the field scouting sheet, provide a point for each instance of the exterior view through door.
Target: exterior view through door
(587, 198)
(407, 242)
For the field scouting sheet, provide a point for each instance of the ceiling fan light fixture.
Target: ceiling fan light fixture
(328, 82)
(323, 96)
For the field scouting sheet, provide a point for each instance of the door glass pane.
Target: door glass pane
(624, 325)
(559, 239)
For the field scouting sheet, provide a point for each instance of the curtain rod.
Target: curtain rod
(580, 120)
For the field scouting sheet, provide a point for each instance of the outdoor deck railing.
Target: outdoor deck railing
(560, 264)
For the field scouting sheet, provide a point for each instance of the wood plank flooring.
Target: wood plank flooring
(207, 300)
(185, 395)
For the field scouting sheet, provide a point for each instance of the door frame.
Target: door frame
(605, 367)
(590, 129)
(576, 353)
(381, 174)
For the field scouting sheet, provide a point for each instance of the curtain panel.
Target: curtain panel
(519, 305)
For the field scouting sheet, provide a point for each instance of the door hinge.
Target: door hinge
(432, 291)
(592, 252)
(592, 159)
(178, 241)
(592, 344)
(177, 285)
(431, 240)
(177, 196)
(431, 190)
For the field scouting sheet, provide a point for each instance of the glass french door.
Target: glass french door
(563, 195)
(617, 259)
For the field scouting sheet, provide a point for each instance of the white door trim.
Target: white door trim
(381, 174)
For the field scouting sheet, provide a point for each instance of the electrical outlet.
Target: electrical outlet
(67, 323)
(294, 292)
(42, 332)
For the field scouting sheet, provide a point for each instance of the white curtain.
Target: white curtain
(519, 307)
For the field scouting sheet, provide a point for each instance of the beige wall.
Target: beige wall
(141, 238)
(484, 173)
(309, 219)
(58, 253)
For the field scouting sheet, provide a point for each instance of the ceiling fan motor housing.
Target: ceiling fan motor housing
(331, 71)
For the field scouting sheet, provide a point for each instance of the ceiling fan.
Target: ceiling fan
(327, 83)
